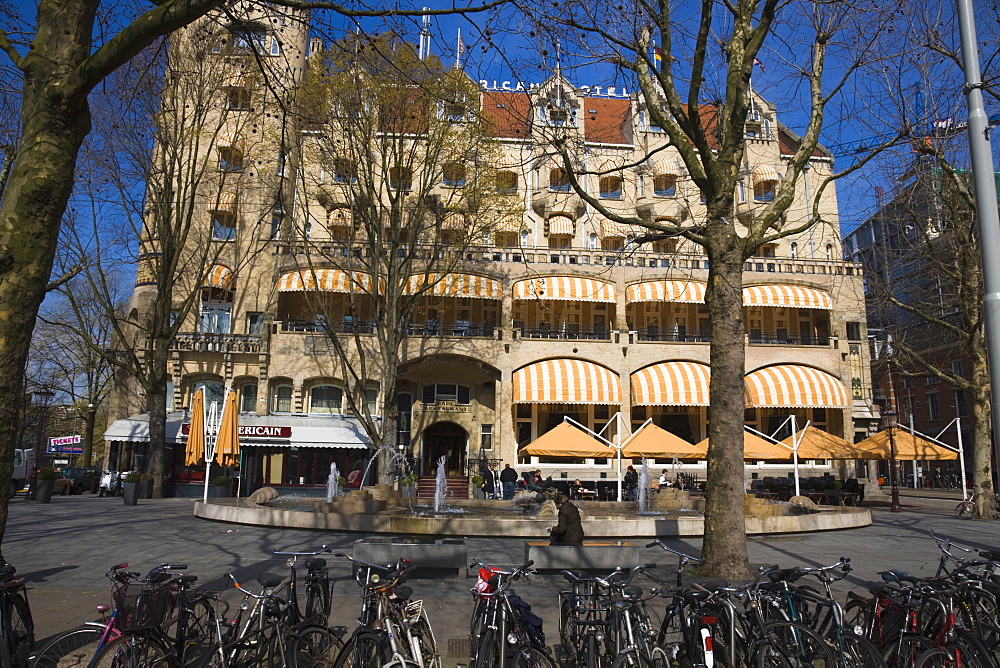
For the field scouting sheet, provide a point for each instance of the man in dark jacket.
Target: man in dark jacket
(569, 531)
(631, 484)
(507, 478)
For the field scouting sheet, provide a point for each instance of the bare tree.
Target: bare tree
(693, 70)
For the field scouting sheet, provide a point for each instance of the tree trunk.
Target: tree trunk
(34, 201)
(725, 550)
(156, 398)
(982, 445)
(88, 437)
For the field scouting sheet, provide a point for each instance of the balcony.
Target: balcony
(782, 339)
(567, 333)
(687, 336)
(218, 343)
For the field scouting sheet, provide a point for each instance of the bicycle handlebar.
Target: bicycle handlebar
(322, 550)
(687, 557)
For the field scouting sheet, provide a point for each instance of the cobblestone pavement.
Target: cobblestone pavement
(64, 549)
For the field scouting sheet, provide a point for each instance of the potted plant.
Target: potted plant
(408, 485)
(145, 485)
(222, 486)
(130, 490)
(46, 482)
(477, 487)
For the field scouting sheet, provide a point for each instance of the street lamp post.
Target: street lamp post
(43, 397)
(893, 473)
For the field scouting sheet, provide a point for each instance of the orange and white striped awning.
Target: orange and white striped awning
(609, 166)
(683, 292)
(560, 224)
(453, 221)
(790, 296)
(342, 216)
(566, 381)
(764, 173)
(235, 81)
(226, 201)
(564, 288)
(671, 384)
(228, 141)
(324, 280)
(611, 229)
(456, 285)
(666, 167)
(508, 222)
(788, 385)
(220, 277)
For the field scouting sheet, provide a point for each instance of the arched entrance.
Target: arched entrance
(444, 439)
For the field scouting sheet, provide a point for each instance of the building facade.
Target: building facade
(554, 312)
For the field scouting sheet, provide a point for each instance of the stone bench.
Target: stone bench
(596, 555)
(422, 553)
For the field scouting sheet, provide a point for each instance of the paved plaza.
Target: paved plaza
(64, 549)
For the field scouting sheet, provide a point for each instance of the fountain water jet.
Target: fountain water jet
(441, 485)
(644, 487)
(333, 483)
(397, 457)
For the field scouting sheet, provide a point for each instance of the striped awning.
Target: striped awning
(788, 385)
(611, 229)
(228, 141)
(608, 166)
(671, 384)
(666, 167)
(566, 381)
(324, 280)
(560, 224)
(220, 277)
(763, 173)
(456, 285)
(235, 81)
(684, 292)
(453, 221)
(510, 222)
(791, 296)
(340, 217)
(565, 288)
(226, 201)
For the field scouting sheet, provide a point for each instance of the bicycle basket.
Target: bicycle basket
(144, 610)
(487, 583)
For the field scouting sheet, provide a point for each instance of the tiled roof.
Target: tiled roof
(510, 113)
(788, 143)
(605, 120)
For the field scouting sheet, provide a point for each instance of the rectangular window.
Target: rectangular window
(961, 407)
(933, 407)
(248, 399)
(486, 437)
(223, 226)
(958, 368)
(275, 46)
(214, 319)
(276, 219)
(854, 331)
(254, 323)
(907, 384)
(931, 380)
(524, 411)
(283, 399)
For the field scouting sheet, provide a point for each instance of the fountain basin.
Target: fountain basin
(599, 523)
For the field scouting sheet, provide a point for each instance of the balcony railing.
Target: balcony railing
(219, 343)
(566, 333)
(781, 339)
(629, 257)
(429, 328)
(690, 336)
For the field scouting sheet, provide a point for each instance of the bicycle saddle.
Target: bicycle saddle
(574, 576)
(894, 576)
(186, 579)
(990, 555)
(268, 580)
(315, 564)
(402, 593)
(632, 591)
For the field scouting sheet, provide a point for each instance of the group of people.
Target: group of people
(503, 484)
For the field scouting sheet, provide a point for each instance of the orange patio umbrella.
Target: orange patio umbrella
(818, 444)
(195, 450)
(565, 440)
(755, 447)
(654, 442)
(227, 445)
(908, 446)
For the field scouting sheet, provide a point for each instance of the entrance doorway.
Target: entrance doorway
(445, 439)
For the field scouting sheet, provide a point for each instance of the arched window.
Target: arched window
(559, 180)
(326, 400)
(665, 185)
(795, 250)
(829, 251)
(216, 308)
(763, 191)
(401, 178)
(507, 182)
(214, 391)
(611, 187)
(454, 175)
(345, 171)
(281, 401)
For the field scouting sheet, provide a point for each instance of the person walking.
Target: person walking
(569, 531)
(631, 483)
(507, 479)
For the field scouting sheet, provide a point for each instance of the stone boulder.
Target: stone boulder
(263, 494)
(804, 501)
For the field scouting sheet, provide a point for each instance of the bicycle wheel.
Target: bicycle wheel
(965, 510)
(857, 652)
(487, 650)
(934, 657)
(530, 657)
(856, 616)
(421, 630)
(972, 650)
(631, 658)
(72, 648)
(793, 644)
(22, 629)
(199, 633)
(131, 652)
(904, 652)
(315, 645)
(369, 649)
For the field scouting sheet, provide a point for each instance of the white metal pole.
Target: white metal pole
(796, 439)
(210, 427)
(961, 456)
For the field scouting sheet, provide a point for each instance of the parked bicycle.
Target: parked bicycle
(501, 636)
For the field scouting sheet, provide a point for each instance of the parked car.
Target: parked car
(81, 479)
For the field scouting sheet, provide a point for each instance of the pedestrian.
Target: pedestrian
(664, 481)
(507, 479)
(569, 531)
(631, 483)
(576, 490)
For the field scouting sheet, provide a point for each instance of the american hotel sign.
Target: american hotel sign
(253, 431)
(531, 87)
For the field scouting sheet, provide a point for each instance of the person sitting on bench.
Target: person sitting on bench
(569, 531)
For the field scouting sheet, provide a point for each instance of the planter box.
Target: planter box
(478, 493)
(43, 493)
(422, 552)
(219, 491)
(145, 489)
(130, 493)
